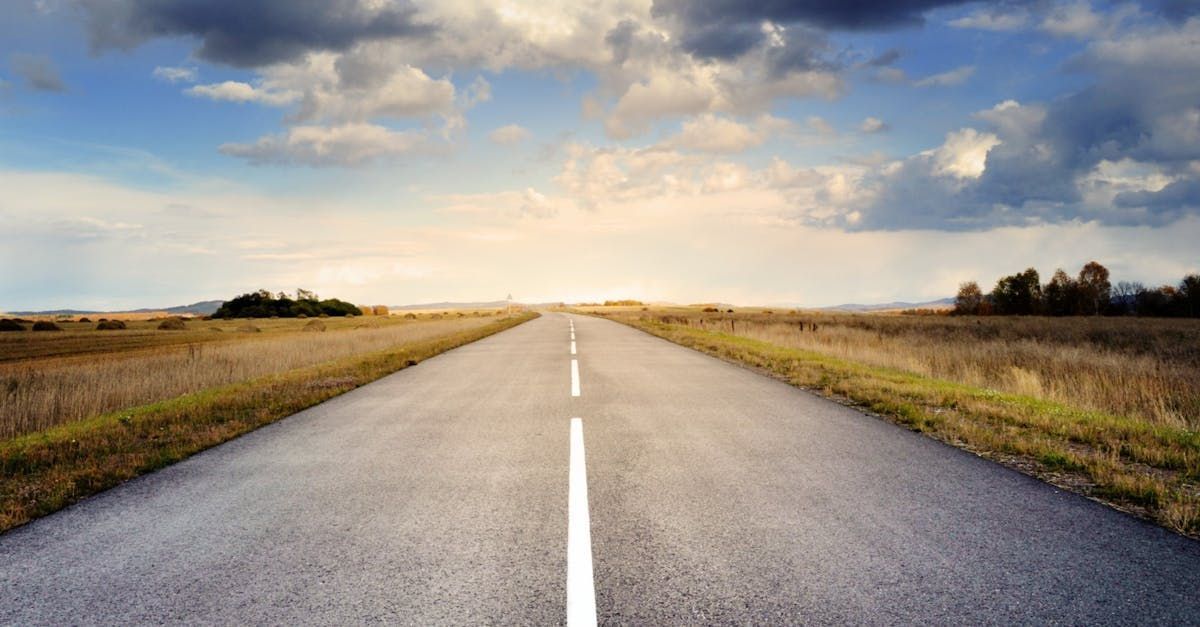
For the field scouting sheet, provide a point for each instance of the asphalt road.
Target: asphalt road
(439, 495)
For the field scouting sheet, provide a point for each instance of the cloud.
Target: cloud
(827, 15)
(873, 125)
(509, 135)
(234, 91)
(38, 70)
(251, 34)
(957, 76)
(715, 134)
(346, 145)
(1001, 19)
(175, 74)
(1073, 20)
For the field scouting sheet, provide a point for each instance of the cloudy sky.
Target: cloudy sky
(158, 152)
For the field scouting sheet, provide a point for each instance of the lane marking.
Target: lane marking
(572, 347)
(574, 377)
(572, 334)
(581, 587)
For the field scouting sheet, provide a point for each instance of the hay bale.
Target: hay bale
(216, 329)
(85, 319)
(410, 316)
(314, 325)
(110, 325)
(172, 324)
(46, 325)
(11, 325)
(248, 328)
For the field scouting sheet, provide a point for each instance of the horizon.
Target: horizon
(388, 151)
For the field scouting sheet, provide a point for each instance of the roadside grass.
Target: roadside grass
(1143, 467)
(45, 471)
(41, 393)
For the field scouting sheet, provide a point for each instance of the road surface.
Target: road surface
(689, 491)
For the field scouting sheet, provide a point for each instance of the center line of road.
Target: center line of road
(574, 377)
(572, 347)
(581, 587)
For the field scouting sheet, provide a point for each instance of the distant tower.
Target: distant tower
(508, 304)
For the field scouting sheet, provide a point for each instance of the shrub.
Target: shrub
(11, 325)
(172, 324)
(46, 325)
(110, 325)
(314, 325)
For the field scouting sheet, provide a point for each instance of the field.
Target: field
(1109, 407)
(83, 409)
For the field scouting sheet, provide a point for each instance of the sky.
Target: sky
(161, 152)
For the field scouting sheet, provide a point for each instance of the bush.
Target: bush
(110, 325)
(11, 325)
(314, 325)
(172, 324)
(46, 325)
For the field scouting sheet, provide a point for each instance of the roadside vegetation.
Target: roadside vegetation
(75, 422)
(1090, 293)
(1109, 407)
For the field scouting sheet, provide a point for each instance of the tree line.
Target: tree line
(1090, 293)
(264, 304)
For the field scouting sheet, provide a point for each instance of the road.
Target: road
(441, 495)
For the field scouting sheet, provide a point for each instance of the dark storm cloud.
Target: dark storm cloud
(248, 33)
(825, 14)
(1176, 198)
(39, 71)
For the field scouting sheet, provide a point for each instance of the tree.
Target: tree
(969, 298)
(1189, 296)
(1060, 297)
(1124, 298)
(1019, 294)
(303, 294)
(1095, 291)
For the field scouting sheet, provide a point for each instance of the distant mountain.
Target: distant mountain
(940, 303)
(202, 308)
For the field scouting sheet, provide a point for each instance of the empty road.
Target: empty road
(689, 490)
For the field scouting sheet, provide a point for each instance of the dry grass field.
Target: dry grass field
(1106, 406)
(142, 365)
(82, 410)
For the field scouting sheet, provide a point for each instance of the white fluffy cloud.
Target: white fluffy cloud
(235, 91)
(873, 125)
(345, 145)
(176, 74)
(717, 134)
(509, 135)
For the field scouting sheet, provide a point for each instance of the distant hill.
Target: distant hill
(940, 303)
(202, 308)
(447, 305)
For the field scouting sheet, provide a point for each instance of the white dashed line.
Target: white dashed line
(574, 377)
(581, 588)
(572, 347)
